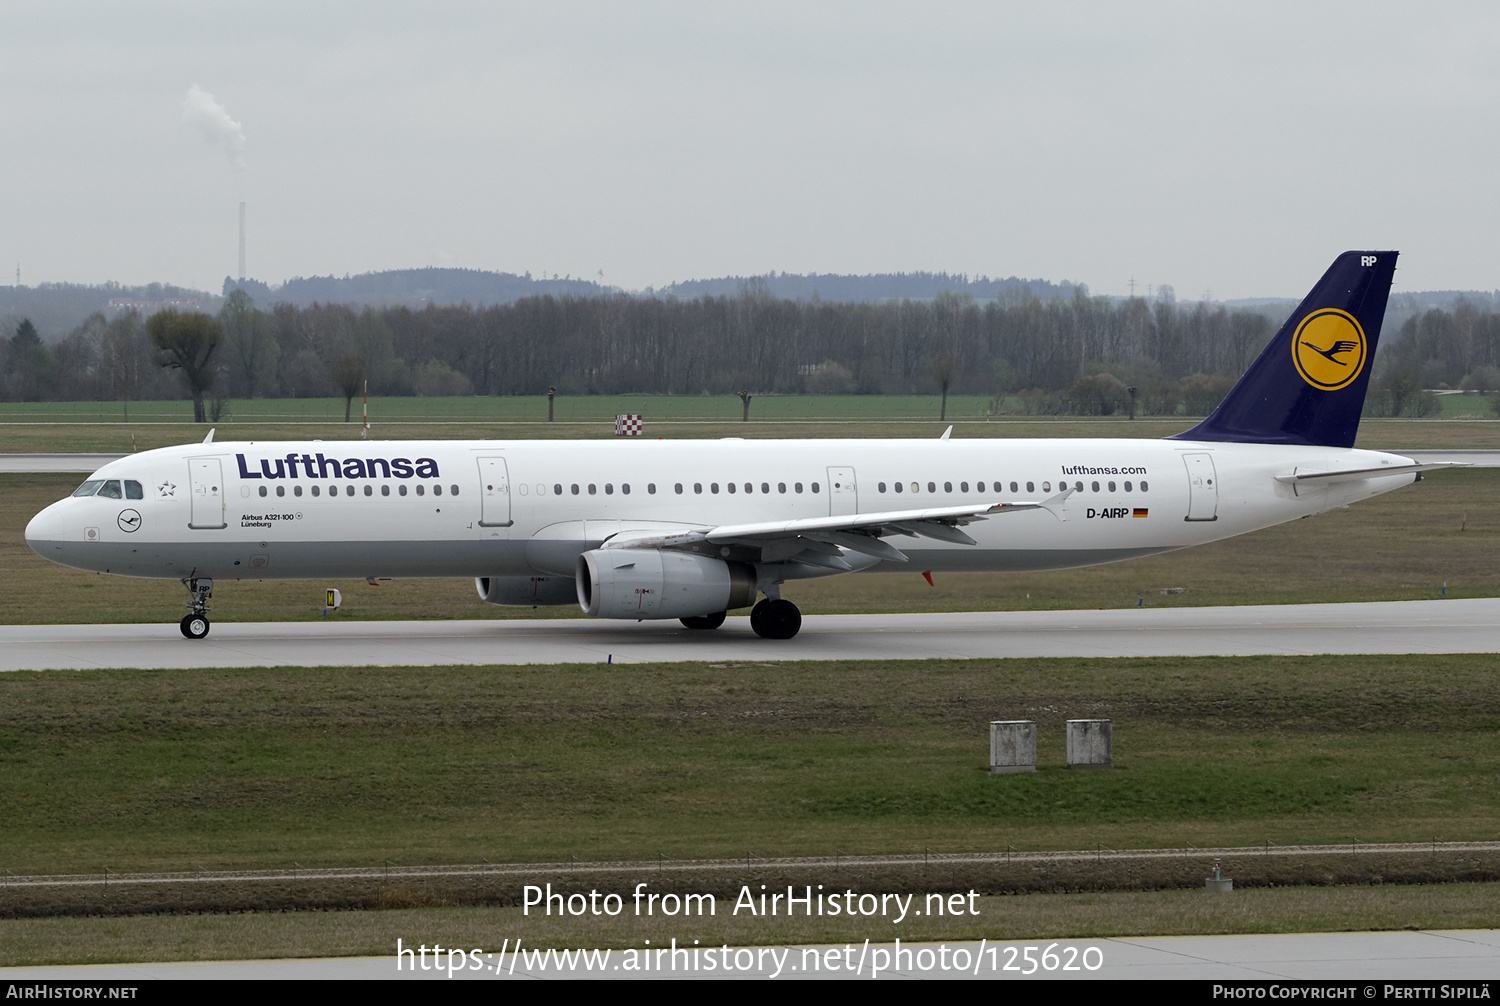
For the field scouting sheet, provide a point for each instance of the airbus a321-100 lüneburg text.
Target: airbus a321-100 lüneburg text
(690, 530)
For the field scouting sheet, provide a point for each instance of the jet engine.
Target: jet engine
(525, 591)
(646, 583)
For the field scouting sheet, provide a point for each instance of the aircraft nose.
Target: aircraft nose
(44, 533)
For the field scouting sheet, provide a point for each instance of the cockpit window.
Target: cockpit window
(111, 490)
(133, 490)
(88, 488)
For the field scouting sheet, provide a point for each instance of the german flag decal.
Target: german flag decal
(1140, 511)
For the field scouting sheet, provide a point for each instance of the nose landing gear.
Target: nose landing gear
(195, 624)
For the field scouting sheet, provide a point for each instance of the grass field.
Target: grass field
(232, 769)
(177, 770)
(182, 770)
(1466, 421)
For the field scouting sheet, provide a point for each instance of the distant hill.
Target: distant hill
(58, 308)
(868, 289)
(414, 288)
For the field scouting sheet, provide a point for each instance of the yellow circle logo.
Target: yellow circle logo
(1329, 349)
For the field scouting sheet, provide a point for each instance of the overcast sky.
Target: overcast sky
(1225, 148)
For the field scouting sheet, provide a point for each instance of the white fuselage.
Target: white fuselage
(530, 508)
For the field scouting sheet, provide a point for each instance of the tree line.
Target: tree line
(1077, 354)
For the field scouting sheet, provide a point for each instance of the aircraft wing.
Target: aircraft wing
(820, 540)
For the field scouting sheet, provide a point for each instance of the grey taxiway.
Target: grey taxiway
(1470, 625)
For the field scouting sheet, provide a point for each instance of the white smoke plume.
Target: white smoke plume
(200, 110)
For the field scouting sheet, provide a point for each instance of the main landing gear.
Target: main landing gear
(774, 618)
(704, 621)
(195, 623)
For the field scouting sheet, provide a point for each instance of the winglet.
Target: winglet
(210, 438)
(946, 433)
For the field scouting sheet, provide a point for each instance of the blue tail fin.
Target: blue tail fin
(1308, 386)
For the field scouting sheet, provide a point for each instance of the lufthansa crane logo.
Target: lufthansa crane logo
(1329, 349)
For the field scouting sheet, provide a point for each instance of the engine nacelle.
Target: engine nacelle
(646, 583)
(526, 591)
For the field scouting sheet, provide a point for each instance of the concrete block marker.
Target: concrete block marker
(1090, 744)
(1012, 746)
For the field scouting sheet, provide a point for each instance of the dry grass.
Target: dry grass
(1041, 917)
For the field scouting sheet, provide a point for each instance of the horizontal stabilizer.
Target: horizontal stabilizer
(1328, 478)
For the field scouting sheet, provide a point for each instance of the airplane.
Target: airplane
(690, 530)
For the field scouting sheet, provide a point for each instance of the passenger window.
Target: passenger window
(677, 488)
(730, 487)
(1046, 487)
(881, 486)
(133, 490)
(749, 487)
(1094, 486)
(453, 490)
(401, 489)
(262, 490)
(814, 487)
(348, 490)
(421, 489)
(437, 490)
(575, 488)
(1127, 487)
(1015, 490)
(765, 487)
(593, 489)
(963, 487)
(557, 489)
(111, 490)
(281, 490)
(369, 490)
(315, 490)
(1111, 487)
(296, 490)
(1030, 487)
(698, 487)
(609, 488)
(1144, 487)
(651, 488)
(797, 487)
(625, 488)
(385, 490)
(713, 487)
(916, 487)
(781, 487)
(900, 488)
(947, 487)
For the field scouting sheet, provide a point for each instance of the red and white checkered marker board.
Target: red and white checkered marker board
(627, 426)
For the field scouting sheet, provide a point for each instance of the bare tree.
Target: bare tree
(945, 369)
(187, 343)
(349, 374)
